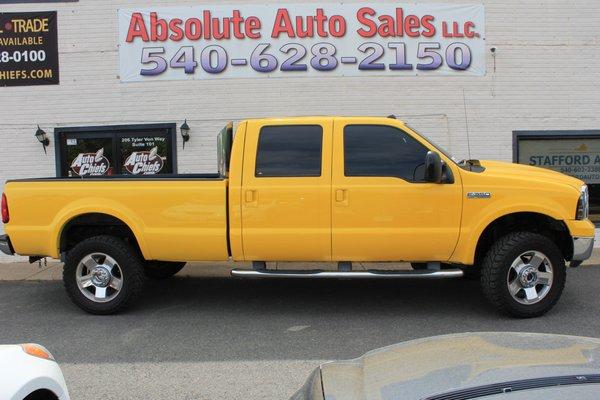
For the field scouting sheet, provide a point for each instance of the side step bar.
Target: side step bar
(370, 274)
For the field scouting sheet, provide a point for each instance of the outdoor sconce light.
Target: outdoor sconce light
(185, 132)
(42, 138)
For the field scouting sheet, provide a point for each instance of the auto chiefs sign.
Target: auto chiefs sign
(91, 164)
(144, 162)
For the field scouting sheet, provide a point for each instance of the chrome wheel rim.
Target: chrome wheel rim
(99, 277)
(530, 277)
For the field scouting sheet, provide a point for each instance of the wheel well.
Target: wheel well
(86, 226)
(553, 229)
(41, 394)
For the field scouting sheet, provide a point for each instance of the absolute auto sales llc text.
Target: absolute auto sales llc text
(300, 38)
(317, 25)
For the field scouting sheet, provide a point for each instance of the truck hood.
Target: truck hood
(511, 170)
(422, 368)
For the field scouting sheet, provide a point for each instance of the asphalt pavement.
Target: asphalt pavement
(221, 338)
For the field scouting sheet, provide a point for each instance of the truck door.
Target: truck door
(381, 208)
(286, 190)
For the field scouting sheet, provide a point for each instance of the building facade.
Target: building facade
(541, 73)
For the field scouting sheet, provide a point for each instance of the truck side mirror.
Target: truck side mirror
(433, 167)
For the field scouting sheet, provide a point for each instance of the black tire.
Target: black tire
(471, 272)
(497, 264)
(162, 269)
(129, 263)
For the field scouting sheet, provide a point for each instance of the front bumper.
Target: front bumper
(6, 246)
(582, 249)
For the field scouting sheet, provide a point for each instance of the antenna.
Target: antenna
(467, 123)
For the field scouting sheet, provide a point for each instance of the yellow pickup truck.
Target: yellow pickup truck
(320, 189)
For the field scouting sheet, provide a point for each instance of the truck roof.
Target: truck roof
(313, 117)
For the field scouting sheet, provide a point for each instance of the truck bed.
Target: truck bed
(173, 217)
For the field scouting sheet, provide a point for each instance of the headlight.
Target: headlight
(37, 351)
(583, 205)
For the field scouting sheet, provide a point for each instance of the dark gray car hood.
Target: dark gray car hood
(421, 368)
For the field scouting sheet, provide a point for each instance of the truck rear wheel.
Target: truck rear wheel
(523, 274)
(103, 274)
(162, 269)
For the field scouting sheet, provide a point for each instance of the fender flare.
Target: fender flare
(108, 207)
(466, 247)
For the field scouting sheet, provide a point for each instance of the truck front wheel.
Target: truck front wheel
(162, 269)
(103, 274)
(523, 274)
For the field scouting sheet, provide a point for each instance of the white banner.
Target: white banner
(333, 39)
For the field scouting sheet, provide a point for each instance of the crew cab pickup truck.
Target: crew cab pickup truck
(319, 189)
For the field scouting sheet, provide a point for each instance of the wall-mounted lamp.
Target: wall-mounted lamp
(185, 132)
(493, 50)
(41, 136)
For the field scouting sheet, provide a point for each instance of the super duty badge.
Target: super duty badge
(479, 195)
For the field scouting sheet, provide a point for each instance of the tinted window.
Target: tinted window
(289, 151)
(377, 150)
(89, 156)
(146, 155)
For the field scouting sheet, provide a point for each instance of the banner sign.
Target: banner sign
(576, 157)
(28, 49)
(334, 39)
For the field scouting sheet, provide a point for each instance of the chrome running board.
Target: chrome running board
(370, 274)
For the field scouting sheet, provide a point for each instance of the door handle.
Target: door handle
(341, 196)
(251, 196)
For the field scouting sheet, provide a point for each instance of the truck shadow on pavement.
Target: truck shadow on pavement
(305, 296)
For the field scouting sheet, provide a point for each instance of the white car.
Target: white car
(29, 372)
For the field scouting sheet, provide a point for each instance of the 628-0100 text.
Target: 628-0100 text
(320, 57)
(23, 56)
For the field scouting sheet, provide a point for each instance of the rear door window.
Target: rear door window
(289, 151)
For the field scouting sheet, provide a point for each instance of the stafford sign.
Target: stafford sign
(576, 157)
(331, 39)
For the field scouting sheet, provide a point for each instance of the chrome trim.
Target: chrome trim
(530, 277)
(99, 277)
(582, 248)
(479, 195)
(583, 204)
(6, 246)
(372, 274)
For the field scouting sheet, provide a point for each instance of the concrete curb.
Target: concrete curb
(53, 270)
(22, 271)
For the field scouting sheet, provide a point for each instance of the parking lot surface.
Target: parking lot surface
(217, 338)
